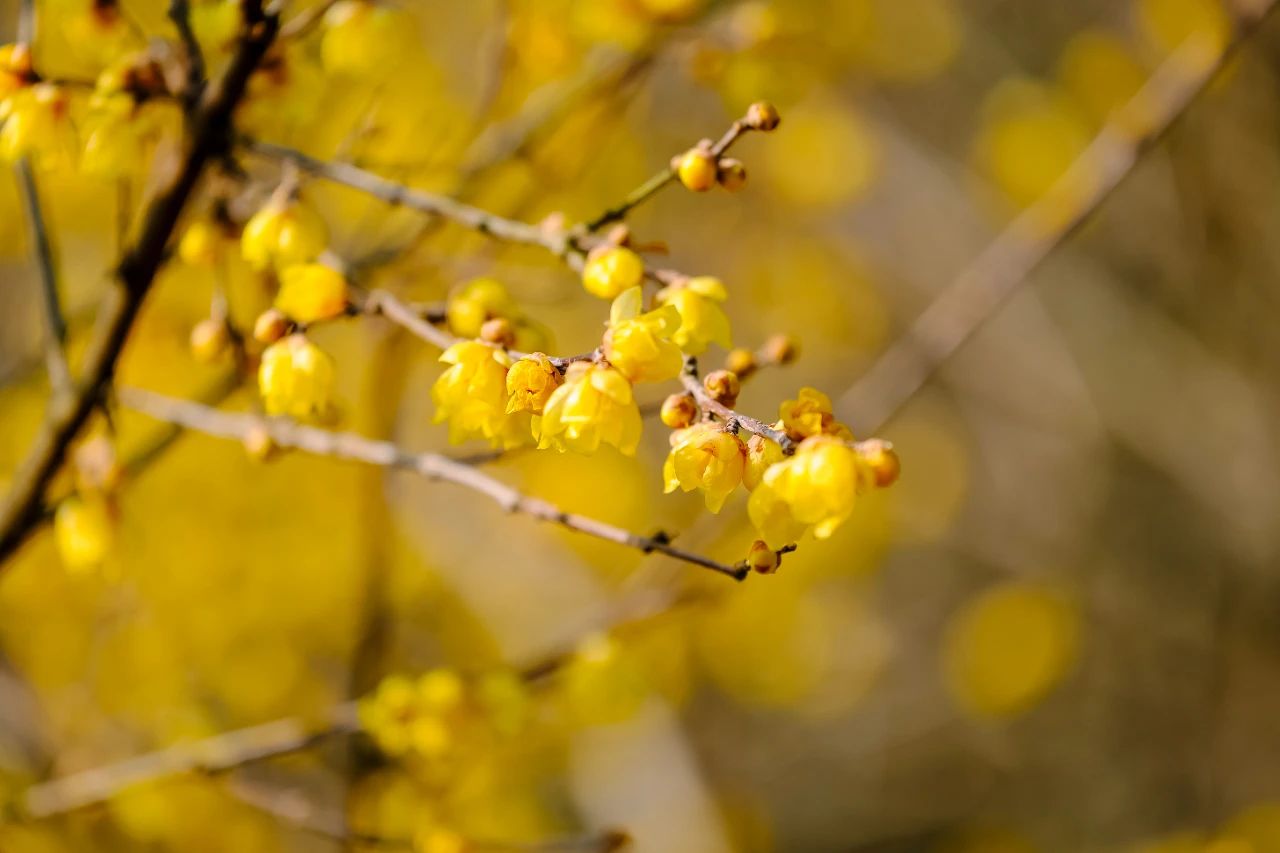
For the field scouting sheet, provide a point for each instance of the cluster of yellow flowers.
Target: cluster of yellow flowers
(439, 714)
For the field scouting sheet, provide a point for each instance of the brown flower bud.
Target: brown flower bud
(697, 170)
(881, 459)
(781, 349)
(259, 444)
(498, 331)
(732, 175)
(762, 115)
(209, 340)
(679, 410)
(270, 326)
(723, 386)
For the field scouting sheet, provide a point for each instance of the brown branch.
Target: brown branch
(55, 321)
(1008, 261)
(180, 15)
(210, 131)
(708, 404)
(433, 466)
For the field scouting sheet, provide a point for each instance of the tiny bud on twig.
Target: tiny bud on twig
(723, 386)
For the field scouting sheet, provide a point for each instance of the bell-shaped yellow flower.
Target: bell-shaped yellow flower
(708, 457)
(811, 415)
(761, 454)
(115, 132)
(472, 396)
(702, 320)
(311, 292)
(593, 406)
(37, 124)
(530, 383)
(283, 234)
(296, 378)
(610, 271)
(639, 345)
(815, 488)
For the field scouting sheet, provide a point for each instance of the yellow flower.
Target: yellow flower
(639, 345)
(761, 454)
(280, 235)
(707, 457)
(811, 415)
(472, 396)
(530, 382)
(311, 292)
(37, 124)
(702, 320)
(115, 136)
(593, 406)
(202, 244)
(296, 378)
(609, 272)
(471, 304)
(84, 531)
(366, 39)
(815, 488)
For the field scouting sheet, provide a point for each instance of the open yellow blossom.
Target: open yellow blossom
(281, 235)
(640, 345)
(702, 320)
(608, 272)
(472, 396)
(708, 457)
(311, 292)
(594, 406)
(811, 415)
(37, 124)
(296, 378)
(761, 454)
(530, 382)
(815, 488)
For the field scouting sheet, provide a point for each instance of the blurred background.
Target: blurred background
(1060, 631)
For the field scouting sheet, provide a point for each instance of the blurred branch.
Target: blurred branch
(180, 14)
(689, 378)
(305, 21)
(1007, 262)
(286, 433)
(210, 130)
(55, 322)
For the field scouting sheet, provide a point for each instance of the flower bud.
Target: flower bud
(679, 410)
(697, 170)
(731, 174)
(611, 270)
(881, 459)
(762, 115)
(781, 349)
(498, 331)
(259, 444)
(741, 361)
(270, 326)
(723, 386)
(209, 340)
(762, 559)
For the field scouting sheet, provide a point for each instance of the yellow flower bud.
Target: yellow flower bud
(639, 345)
(814, 488)
(762, 559)
(366, 39)
(780, 349)
(530, 383)
(708, 457)
(610, 271)
(810, 414)
(702, 320)
(742, 362)
(201, 244)
(594, 406)
(209, 340)
(114, 132)
(723, 386)
(498, 331)
(259, 444)
(472, 396)
(697, 170)
(732, 175)
(882, 460)
(281, 235)
(84, 531)
(296, 378)
(470, 305)
(679, 410)
(311, 292)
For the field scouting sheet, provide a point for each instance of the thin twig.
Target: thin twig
(180, 14)
(689, 378)
(1008, 261)
(55, 322)
(287, 433)
(210, 127)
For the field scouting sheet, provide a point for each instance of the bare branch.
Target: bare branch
(709, 404)
(180, 14)
(55, 322)
(1007, 262)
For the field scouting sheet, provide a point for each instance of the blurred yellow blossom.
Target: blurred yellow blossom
(815, 488)
(702, 320)
(608, 272)
(366, 39)
(84, 531)
(282, 234)
(311, 292)
(296, 378)
(594, 406)
(472, 396)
